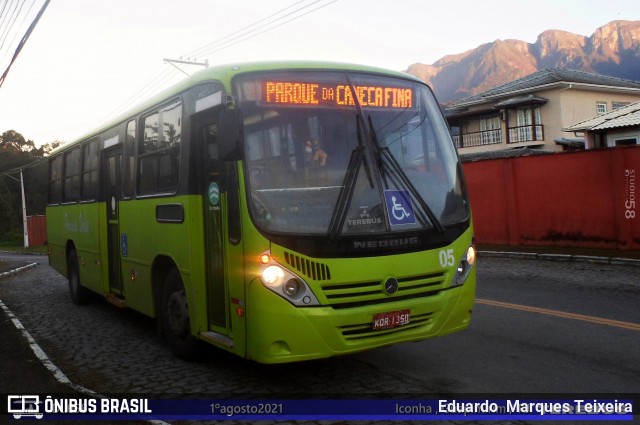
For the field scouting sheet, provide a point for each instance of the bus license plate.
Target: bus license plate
(390, 320)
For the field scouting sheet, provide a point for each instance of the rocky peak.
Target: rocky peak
(551, 41)
(613, 49)
(616, 37)
(556, 48)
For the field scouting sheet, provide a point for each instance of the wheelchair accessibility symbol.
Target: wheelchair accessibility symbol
(399, 207)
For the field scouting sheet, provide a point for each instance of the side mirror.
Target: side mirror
(230, 134)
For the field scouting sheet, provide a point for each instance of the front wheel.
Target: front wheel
(175, 318)
(79, 294)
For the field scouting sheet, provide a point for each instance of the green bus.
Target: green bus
(280, 211)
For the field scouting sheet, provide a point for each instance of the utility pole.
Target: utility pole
(173, 63)
(25, 230)
(24, 213)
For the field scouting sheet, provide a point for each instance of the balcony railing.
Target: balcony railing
(524, 133)
(479, 138)
(520, 134)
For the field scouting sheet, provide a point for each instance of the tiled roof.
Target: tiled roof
(546, 77)
(505, 153)
(521, 101)
(622, 117)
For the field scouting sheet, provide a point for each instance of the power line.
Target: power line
(197, 51)
(224, 42)
(4, 6)
(11, 16)
(249, 31)
(249, 36)
(3, 17)
(26, 166)
(26, 15)
(153, 84)
(23, 41)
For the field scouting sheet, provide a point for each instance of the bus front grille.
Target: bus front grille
(349, 295)
(365, 330)
(309, 268)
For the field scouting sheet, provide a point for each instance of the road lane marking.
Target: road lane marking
(19, 269)
(585, 318)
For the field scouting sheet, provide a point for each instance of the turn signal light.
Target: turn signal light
(264, 259)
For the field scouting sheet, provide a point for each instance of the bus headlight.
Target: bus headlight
(285, 283)
(273, 275)
(465, 266)
(292, 287)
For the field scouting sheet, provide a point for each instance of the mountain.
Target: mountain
(613, 50)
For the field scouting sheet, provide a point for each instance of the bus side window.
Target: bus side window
(159, 162)
(168, 170)
(147, 179)
(129, 160)
(55, 180)
(213, 163)
(71, 188)
(90, 161)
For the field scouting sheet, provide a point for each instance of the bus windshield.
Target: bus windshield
(331, 153)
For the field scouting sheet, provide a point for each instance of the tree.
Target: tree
(17, 153)
(46, 149)
(11, 140)
(14, 150)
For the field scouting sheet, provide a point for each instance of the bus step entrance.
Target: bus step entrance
(115, 300)
(217, 338)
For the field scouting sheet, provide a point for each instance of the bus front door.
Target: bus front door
(217, 289)
(112, 163)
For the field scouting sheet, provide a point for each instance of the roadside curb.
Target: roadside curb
(18, 270)
(562, 257)
(2, 251)
(41, 356)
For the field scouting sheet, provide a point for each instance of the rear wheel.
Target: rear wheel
(79, 294)
(175, 318)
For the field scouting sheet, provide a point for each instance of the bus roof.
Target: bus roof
(224, 74)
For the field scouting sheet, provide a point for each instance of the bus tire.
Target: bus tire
(175, 318)
(79, 294)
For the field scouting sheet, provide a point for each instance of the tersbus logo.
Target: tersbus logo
(24, 405)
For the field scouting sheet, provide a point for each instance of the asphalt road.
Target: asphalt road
(538, 327)
(24, 258)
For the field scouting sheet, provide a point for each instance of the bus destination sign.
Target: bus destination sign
(298, 93)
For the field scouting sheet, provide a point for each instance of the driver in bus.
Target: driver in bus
(314, 154)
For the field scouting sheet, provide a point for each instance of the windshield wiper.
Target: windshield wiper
(385, 161)
(357, 159)
(346, 192)
(396, 171)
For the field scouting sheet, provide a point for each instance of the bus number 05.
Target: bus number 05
(446, 258)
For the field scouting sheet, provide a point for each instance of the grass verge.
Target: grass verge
(19, 249)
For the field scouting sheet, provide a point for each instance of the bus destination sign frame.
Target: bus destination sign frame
(336, 94)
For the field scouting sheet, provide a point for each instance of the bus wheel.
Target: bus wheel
(79, 294)
(175, 318)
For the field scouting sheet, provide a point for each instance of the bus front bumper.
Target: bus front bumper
(280, 332)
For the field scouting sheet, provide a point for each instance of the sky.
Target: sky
(90, 60)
